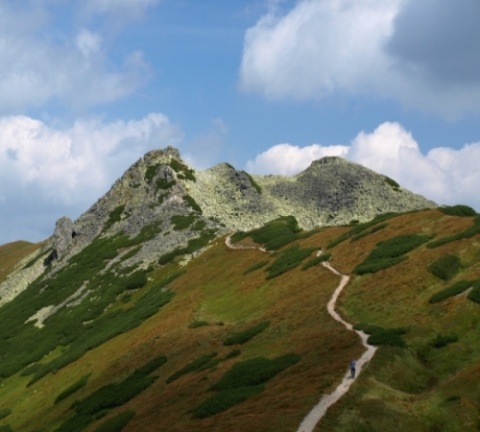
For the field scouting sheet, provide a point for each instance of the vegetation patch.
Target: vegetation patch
(246, 335)
(5, 413)
(383, 336)
(359, 228)
(117, 423)
(163, 184)
(441, 341)
(451, 291)
(256, 266)
(288, 260)
(193, 245)
(458, 210)
(474, 294)
(467, 233)
(196, 324)
(136, 280)
(114, 216)
(72, 389)
(445, 267)
(181, 222)
(316, 260)
(366, 232)
(390, 252)
(395, 186)
(111, 396)
(254, 184)
(193, 204)
(244, 380)
(150, 173)
(183, 172)
(275, 234)
(193, 366)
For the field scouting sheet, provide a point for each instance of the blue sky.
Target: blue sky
(89, 86)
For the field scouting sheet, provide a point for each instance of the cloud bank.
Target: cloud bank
(423, 55)
(443, 175)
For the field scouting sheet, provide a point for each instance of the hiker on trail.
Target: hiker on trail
(352, 369)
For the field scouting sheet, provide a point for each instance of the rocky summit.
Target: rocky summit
(166, 205)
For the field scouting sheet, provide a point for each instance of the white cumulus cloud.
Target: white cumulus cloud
(443, 175)
(421, 54)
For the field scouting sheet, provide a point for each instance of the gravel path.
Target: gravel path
(326, 401)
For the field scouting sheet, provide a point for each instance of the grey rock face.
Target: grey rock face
(63, 236)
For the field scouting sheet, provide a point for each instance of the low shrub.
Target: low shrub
(445, 267)
(193, 204)
(395, 186)
(458, 210)
(181, 222)
(182, 170)
(255, 266)
(474, 294)
(390, 252)
(451, 291)
(358, 228)
(196, 324)
(5, 413)
(467, 233)
(246, 335)
(117, 423)
(114, 216)
(163, 184)
(193, 366)
(383, 336)
(317, 260)
(443, 340)
(225, 399)
(254, 184)
(254, 371)
(288, 260)
(72, 389)
(136, 280)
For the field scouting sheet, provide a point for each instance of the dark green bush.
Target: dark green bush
(196, 324)
(458, 210)
(246, 335)
(366, 232)
(150, 172)
(395, 186)
(288, 260)
(192, 366)
(467, 233)
(390, 252)
(254, 184)
(225, 399)
(317, 260)
(72, 389)
(193, 204)
(117, 423)
(455, 289)
(443, 340)
(357, 229)
(5, 413)
(256, 266)
(182, 170)
(163, 184)
(274, 234)
(445, 267)
(181, 222)
(383, 336)
(114, 216)
(474, 294)
(136, 280)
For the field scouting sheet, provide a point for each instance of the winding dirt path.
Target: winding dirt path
(326, 401)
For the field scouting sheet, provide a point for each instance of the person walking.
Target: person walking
(352, 369)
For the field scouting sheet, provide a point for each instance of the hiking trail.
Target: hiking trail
(326, 401)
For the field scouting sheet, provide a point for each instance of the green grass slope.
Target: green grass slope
(240, 340)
